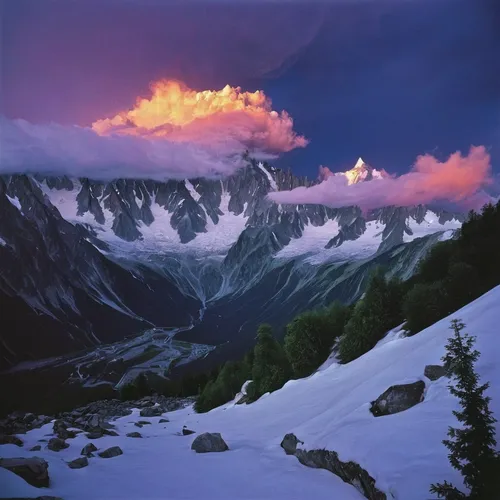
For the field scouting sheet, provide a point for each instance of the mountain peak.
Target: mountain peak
(364, 172)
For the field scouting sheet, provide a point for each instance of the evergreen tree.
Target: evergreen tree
(271, 368)
(472, 447)
(375, 314)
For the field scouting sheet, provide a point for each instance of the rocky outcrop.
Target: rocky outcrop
(434, 372)
(88, 450)
(209, 442)
(57, 444)
(398, 398)
(114, 451)
(7, 439)
(20, 422)
(78, 463)
(350, 472)
(34, 471)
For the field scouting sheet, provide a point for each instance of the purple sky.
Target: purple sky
(386, 80)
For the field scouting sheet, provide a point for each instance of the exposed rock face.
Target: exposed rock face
(88, 449)
(153, 411)
(57, 444)
(6, 439)
(398, 398)
(78, 463)
(134, 435)
(209, 442)
(350, 472)
(34, 471)
(434, 372)
(114, 451)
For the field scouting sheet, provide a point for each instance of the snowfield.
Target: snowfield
(330, 409)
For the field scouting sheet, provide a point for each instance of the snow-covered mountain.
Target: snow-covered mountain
(330, 410)
(89, 262)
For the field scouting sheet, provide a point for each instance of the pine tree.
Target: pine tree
(472, 447)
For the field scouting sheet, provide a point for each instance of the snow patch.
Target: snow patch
(429, 225)
(272, 182)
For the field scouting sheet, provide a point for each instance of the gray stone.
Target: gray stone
(134, 435)
(114, 451)
(36, 448)
(152, 411)
(186, 431)
(8, 439)
(163, 420)
(289, 444)
(94, 435)
(110, 432)
(398, 398)
(349, 472)
(78, 463)
(57, 444)
(433, 372)
(209, 442)
(34, 471)
(88, 449)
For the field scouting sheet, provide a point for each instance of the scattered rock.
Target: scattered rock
(114, 451)
(349, 472)
(78, 463)
(6, 439)
(398, 398)
(94, 435)
(163, 420)
(34, 471)
(187, 432)
(141, 423)
(110, 433)
(152, 411)
(36, 448)
(57, 444)
(88, 449)
(289, 444)
(209, 442)
(433, 372)
(134, 435)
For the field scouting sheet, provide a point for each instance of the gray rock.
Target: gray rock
(152, 411)
(134, 435)
(398, 398)
(110, 432)
(289, 444)
(209, 442)
(163, 420)
(36, 448)
(114, 451)
(57, 444)
(186, 431)
(433, 372)
(34, 471)
(349, 472)
(78, 463)
(7, 439)
(94, 435)
(88, 449)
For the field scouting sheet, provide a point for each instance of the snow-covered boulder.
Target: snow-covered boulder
(398, 398)
(209, 442)
(114, 451)
(78, 463)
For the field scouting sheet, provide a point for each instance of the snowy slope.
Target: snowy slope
(330, 409)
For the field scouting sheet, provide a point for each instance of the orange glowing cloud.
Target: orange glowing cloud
(227, 120)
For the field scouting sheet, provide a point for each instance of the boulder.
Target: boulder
(78, 463)
(36, 448)
(163, 420)
(34, 471)
(7, 439)
(209, 442)
(433, 372)
(57, 444)
(88, 449)
(134, 435)
(94, 435)
(152, 411)
(289, 444)
(398, 398)
(114, 451)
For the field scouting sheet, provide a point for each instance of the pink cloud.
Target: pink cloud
(459, 179)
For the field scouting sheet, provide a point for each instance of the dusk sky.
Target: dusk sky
(385, 80)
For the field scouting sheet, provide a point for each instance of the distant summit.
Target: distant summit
(363, 172)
